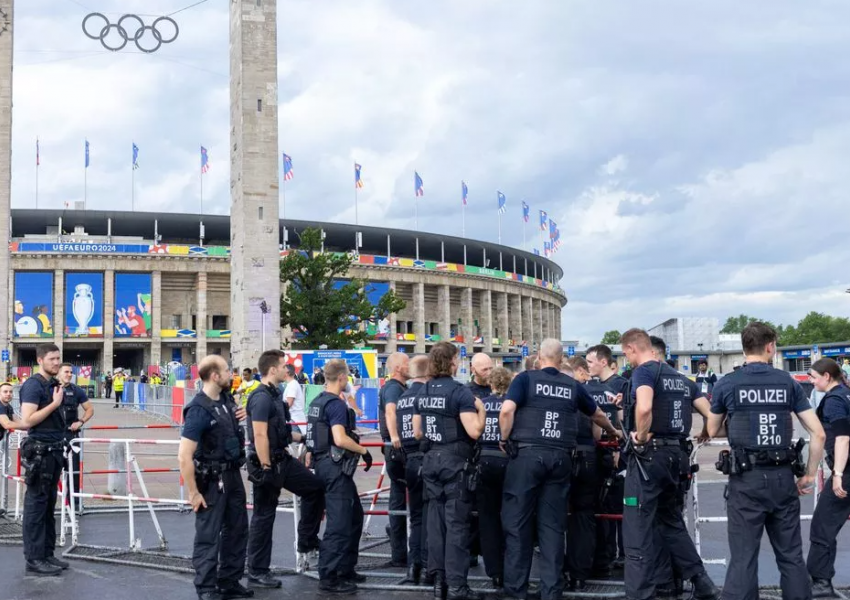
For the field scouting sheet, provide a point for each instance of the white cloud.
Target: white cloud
(616, 165)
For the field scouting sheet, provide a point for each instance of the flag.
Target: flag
(37, 154)
(502, 202)
(526, 211)
(543, 219)
(556, 241)
(288, 173)
(552, 229)
(87, 154)
(418, 185)
(464, 192)
(358, 183)
(205, 160)
(135, 157)
(547, 248)
(536, 252)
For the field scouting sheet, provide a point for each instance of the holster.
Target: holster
(347, 461)
(37, 459)
(469, 481)
(798, 467)
(511, 449)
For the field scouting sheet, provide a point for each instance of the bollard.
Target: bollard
(117, 483)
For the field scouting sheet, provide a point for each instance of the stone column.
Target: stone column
(201, 349)
(468, 328)
(59, 309)
(538, 320)
(392, 343)
(528, 323)
(516, 322)
(444, 314)
(419, 317)
(7, 26)
(504, 310)
(558, 311)
(486, 320)
(109, 316)
(156, 318)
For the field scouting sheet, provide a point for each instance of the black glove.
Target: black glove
(266, 476)
(367, 458)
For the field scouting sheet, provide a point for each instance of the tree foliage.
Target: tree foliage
(737, 324)
(325, 314)
(611, 337)
(814, 328)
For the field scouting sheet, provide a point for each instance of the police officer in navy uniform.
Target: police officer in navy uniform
(659, 417)
(451, 419)
(41, 455)
(271, 468)
(75, 397)
(405, 409)
(211, 453)
(538, 418)
(491, 467)
(833, 507)
(335, 453)
(395, 386)
(480, 366)
(758, 401)
(8, 420)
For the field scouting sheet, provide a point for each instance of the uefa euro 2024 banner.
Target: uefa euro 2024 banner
(33, 304)
(84, 304)
(132, 305)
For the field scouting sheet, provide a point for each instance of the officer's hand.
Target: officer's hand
(502, 447)
(703, 437)
(240, 413)
(618, 400)
(396, 443)
(837, 487)
(640, 442)
(58, 395)
(805, 485)
(308, 459)
(76, 426)
(367, 458)
(197, 501)
(479, 406)
(618, 434)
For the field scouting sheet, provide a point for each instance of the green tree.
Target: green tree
(327, 315)
(816, 328)
(737, 324)
(611, 337)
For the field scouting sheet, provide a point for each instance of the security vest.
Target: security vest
(53, 427)
(602, 393)
(438, 407)
(279, 429)
(69, 404)
(548, 417)
(391, 384)
(839, 394)
(492, 434)
(224, 441)
(118, 383)
(319, 436)
(10, 414)
(762, 405)
(249, 389)
(405, 408)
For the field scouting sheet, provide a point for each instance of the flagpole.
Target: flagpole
(283, 189)
(416, 213)
(524, 227)
(37, 164)
(133, 187)
(463, 220)
(356, 215)
(85, 187)
(202, 192)
(500, 228)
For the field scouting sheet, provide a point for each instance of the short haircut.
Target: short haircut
(5, 383)
(658, 344)
(440, 360)
(246, 370)
(530, 362)
(756, 336)
(66, 365)
(394, 361)
(702, 361)
(290, 370)
(671, 362)
(551, 350)
(499, 380)
(577, 362)
(636, 337)
(334, 369)
(827, 366)
(418, 366)
(209, 365)
(602, 352)
(268, 360)
(43, 350)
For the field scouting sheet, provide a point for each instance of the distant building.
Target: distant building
(692, 339)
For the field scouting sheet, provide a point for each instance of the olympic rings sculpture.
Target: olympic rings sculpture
(138, 36)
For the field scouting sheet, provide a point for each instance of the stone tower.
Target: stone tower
(6, 31)
(254, 208)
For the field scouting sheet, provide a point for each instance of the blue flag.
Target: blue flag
(526, 211)
(544, 218)
(502, 202)
(418, 185)
(87, 154)
(135, 157)
(464, 192)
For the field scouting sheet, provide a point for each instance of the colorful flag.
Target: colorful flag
(464, 192)
(135, 157)
(205, 160)
(543, 220)
(552, 229)
(358, 183)
(502, 202)
(536, 252)
(547, 248)
(37, 154)
(526, 211)
(288, 173)
(418, 185)
(556, 241)
(87, 154)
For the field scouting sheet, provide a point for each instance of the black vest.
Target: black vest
(405, 408)
(840, 394)
(671, 403)
(10, 413)
(548, 417)
(279, 429)
(440, 413)
(602, 394)
(763, 403)
(492, 433)
(53, 427)
(382, 407)
(319, 435)
(69, 404)
(224, 441)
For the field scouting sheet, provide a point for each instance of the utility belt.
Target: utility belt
(461, 449)
(492, 452)
(345, 459)
(740, 460)
(512, 448)
(40, 460)
(402, 454)
(207, 472)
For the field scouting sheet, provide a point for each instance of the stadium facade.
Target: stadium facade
(132, 289)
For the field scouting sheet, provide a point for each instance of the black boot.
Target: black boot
(414, 575)
(498, 582)
(41, 567)
(440, 586)
(427, 579)
(672, 589)
(822, 588)
(62, 564)
(577, 585)
(704, 588)
(462, 592)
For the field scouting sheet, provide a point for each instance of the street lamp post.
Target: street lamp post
(264, 310)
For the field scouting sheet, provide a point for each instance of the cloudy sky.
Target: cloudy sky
(695, 155)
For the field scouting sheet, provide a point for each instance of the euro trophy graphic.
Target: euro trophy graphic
(83, 307)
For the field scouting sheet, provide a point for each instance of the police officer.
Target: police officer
(759, 401)
(395, 386)
(74, 398)
(8, 419)
(833, 507)
(210, 454)
(659, 423)
(538, 417)
(404, 410)
(451, 419)
(335, 453)
(41, 455)
(491, 468)
(271, 468)
(481, 365)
